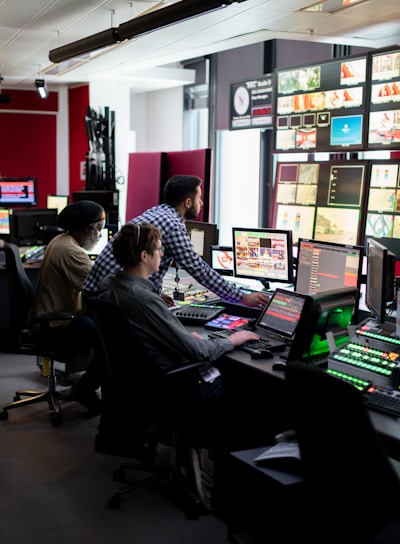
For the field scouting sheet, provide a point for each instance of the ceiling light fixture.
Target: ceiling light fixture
(41, 88)
(138, 26)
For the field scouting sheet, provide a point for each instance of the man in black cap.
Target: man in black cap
(64, 267)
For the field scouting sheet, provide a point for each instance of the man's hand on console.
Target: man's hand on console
(257, 299)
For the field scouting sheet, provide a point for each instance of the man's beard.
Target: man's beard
(191, 214)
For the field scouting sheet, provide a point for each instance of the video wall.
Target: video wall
(338, 201)
(340, 105)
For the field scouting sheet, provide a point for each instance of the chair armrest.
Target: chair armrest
(184, 368)
(52, 316)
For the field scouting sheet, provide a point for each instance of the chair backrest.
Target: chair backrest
(21, 293)
(133, 392)
(348, 476)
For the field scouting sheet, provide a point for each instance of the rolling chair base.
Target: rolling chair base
(33, 397)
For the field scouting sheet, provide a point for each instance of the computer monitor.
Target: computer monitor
(203, 236)
(18, 191)
(57, 201)
(380, 287)
(33, 226)
(263, 254)
(323, 266)
(4, 223)
(222, 259)
(105, 236)
(325, 327)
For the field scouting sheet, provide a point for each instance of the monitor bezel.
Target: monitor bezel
(265, 279)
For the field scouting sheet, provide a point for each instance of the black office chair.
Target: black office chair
(352, 492)
(139, 403)
(23, 340)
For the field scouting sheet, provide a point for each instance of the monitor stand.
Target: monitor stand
(266, 285)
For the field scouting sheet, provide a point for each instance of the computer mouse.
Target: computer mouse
(279, 365)
(262, 354)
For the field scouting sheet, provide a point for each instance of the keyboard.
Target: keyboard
(252, 345)
(384, 401)
(197, 314)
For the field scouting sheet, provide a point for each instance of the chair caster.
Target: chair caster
(114, 503)
(16, 398)
(4, 415)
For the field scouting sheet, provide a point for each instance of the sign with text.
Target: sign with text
(251, 103)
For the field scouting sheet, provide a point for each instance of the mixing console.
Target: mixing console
(379, 332)
(193, 314)
(361, 384)
(186, 290)
(365, 362)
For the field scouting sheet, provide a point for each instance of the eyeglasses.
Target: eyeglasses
(161, 249)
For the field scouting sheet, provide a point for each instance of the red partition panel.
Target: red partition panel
(195, 162)
(145, 172)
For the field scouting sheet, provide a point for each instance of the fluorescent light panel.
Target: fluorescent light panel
(330, 6)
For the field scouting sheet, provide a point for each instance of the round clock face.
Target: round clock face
(241, 100)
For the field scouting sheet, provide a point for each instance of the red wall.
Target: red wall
(78, 100)
(28, 139)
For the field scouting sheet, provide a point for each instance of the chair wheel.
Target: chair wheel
(114, 503)
(16, 398)
(119, 475)
(4, 415)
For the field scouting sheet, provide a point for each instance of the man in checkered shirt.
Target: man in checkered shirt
(182, 201)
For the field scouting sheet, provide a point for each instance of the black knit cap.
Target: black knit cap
(80, 214)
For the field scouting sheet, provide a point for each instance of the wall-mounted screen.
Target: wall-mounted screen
(18, 191)
(384, 116)
(327, 104)
(383, 206)
(322, 200)
(251, 103)
(263, 254)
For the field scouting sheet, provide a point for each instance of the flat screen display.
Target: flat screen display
(28, 225)
(263, 254)
(323, 266)
(384, 115)
(57, 201)
(327, 104)
(18, 192)
(222, 259)
(203, 236)
(380, 278)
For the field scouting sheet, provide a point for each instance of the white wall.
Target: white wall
(157, 120)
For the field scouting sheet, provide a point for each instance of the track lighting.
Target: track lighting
(41, 88)
(138, 26)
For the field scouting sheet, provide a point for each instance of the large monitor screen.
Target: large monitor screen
(323, 266)
(203, 236)
(18, 191)
(263, 254)
(321, 107)
(380, 288)
(222, 259)
(322, 200)
(29, 226)
(384, 116)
